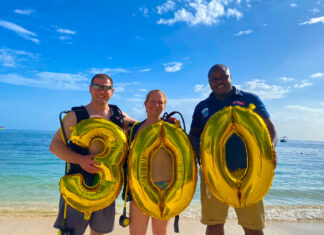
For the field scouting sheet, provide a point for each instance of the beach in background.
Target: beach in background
(30, 174)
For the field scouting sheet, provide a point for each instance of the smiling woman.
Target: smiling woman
(162, 169)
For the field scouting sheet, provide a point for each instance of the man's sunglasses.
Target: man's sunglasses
(98, 87)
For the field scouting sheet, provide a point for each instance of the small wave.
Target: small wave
(294, 213)
(277, 213)
(20, 209)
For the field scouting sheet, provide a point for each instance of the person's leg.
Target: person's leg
(252, 218)
(216, 229)
(159, 227)
(74, 221)
(213, 212)
(252, 232)
(138, 220)
(102, 221)
(92, 232)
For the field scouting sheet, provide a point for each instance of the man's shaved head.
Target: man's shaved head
(219, 67)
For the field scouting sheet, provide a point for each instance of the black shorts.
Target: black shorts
(101, 221)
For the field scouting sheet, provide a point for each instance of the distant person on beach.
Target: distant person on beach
(161, 167)
(214, 212)
(82, 160)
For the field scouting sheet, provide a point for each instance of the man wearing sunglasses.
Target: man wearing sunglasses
(69, 220)
(214, 212)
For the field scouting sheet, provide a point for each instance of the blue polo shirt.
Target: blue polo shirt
(235, 148)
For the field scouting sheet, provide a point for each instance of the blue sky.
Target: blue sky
(49, 50)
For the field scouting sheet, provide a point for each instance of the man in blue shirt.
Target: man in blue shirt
(214, 212)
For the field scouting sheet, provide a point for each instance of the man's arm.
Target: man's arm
(194, 137)
(262, 111)
(58, 148)
(127, 120)
(272, 131)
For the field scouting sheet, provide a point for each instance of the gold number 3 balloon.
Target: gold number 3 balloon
(257, 178)
(162, 204)
(76, 193)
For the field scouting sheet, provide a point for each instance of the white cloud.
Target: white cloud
(264, 90)
(6, 59)
(24, 12)
(66, 34)
(142, 90)
(293, 5)
(145, 70)
(50, 80)
(172, 66)
(204, 90)
(302, 84)
(193, 12)
(197, 12)
(64, 38)
(322, 103)
(315, 10)
(183, 102)
(296, 116)
(245, 32)
(305, 109)
(66, 31)
(234, 12)
(165, 7)
(20, 31)
(11, 58)
(109, 71)
(286, 79)
(317, 75)
(120, 87)
(137, 110)
(144, 11)
(136, 100)
(314, 20)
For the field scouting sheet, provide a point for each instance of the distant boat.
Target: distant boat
(1, 128)
(283, 139)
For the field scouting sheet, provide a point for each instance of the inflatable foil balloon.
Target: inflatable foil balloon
(150, 199)
(75, 192)
(256, 180)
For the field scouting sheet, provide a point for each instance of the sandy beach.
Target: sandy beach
(43, 225)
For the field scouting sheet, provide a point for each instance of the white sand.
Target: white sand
(44, 225)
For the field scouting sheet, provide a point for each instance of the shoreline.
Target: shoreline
(40, 225)
(278, 213)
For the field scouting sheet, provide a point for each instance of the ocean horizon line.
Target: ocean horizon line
(43, 130)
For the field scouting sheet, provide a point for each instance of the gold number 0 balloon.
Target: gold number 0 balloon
(148, 197)
(88, 199)
(257, 179)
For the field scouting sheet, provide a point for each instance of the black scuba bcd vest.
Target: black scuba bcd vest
(82, 114)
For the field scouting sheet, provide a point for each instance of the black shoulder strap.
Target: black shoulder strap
(81, 113)
(132, 130)
(117, 116)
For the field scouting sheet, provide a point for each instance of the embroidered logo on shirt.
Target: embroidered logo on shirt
(205, 112)
(239, 102)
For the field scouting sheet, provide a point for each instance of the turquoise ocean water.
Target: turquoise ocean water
(30, 174)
